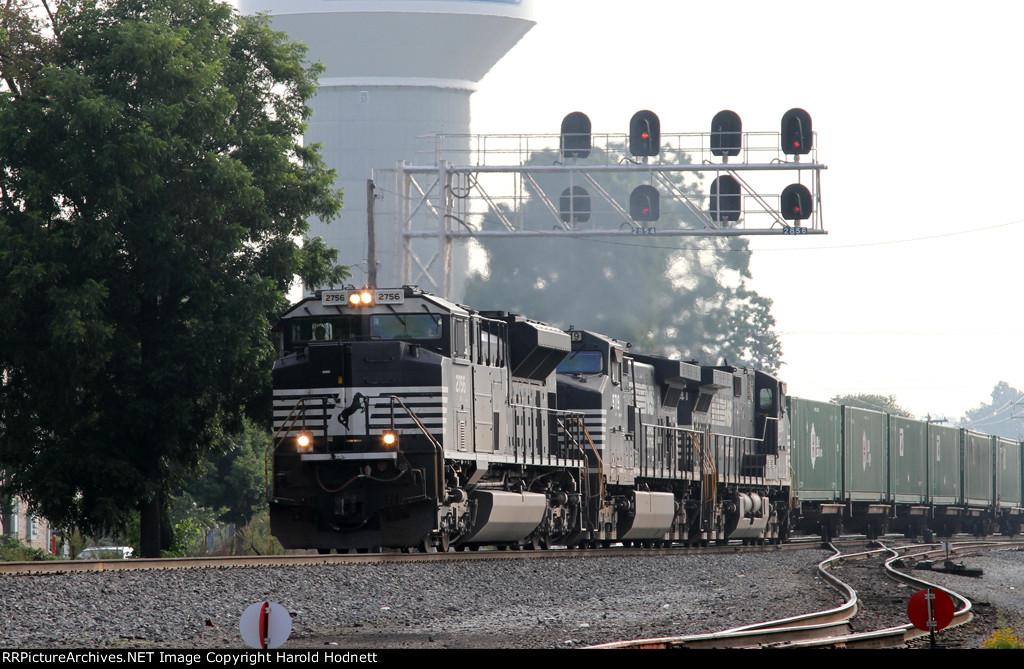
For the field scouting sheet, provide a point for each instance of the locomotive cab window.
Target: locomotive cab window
(766, 401)
(460, 338)
(582, 362)
(405, 326)
(304, 330)
(616, 366)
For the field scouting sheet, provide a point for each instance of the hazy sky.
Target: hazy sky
(914, 291)
(917, 109)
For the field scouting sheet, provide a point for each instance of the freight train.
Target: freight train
(872, 472)
(404, 420)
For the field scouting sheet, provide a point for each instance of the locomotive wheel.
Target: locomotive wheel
(444, 543)
(426, 546)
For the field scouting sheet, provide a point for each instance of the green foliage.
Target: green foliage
(1003, 638)
(684, 297)
(191, 523)
(233, 480)
(1001, 416)
(75, 542)
(256, 539)
(153, 199)
(12, 550)
(883, 403)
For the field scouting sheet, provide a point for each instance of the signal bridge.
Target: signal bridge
(578, 184)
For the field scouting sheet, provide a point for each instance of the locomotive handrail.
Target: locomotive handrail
(709, 473)
(709, 470)
(588, 493)
(438, 448)
(597, 456)
(593, 448)
(414, 417)
(286, 426)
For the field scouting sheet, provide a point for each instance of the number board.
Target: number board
(339, 298)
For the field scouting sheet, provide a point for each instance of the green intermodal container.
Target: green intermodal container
(943, 465)
(817, 459)
(864, 458)
(908, 470)
(978, 470)
(1008, 473)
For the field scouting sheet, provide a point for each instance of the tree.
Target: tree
(152, 201)
(683, 297)
(884, 403)
(233, 480)
(1002, 416)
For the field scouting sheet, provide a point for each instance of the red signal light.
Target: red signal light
(796, 203)
(797, 136)
(644, 134)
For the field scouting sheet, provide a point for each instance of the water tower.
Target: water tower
(395, 70)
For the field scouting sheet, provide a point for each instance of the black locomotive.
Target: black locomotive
(405, 420)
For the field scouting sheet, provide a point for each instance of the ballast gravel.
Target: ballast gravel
(556, 602)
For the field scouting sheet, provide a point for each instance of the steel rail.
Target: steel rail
(216, 562)
(828, 622)
(825, 628)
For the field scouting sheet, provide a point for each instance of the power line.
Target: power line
(899, 241)
(747, 249)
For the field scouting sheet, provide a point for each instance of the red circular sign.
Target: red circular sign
(941, 609)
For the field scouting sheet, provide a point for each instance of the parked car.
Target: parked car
(106, 553)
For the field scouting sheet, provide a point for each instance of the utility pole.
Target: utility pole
(371, 240)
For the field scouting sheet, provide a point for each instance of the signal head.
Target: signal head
(797, 135)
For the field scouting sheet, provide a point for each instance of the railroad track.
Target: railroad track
(218, 562)
(879, 624)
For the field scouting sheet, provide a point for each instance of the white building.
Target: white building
(395, 70)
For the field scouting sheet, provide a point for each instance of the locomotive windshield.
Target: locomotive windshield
(582, 362)
(405, 326)
(378, 326)
(302, 330)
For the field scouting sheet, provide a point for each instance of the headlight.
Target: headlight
(304, 443)
(390, 439)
